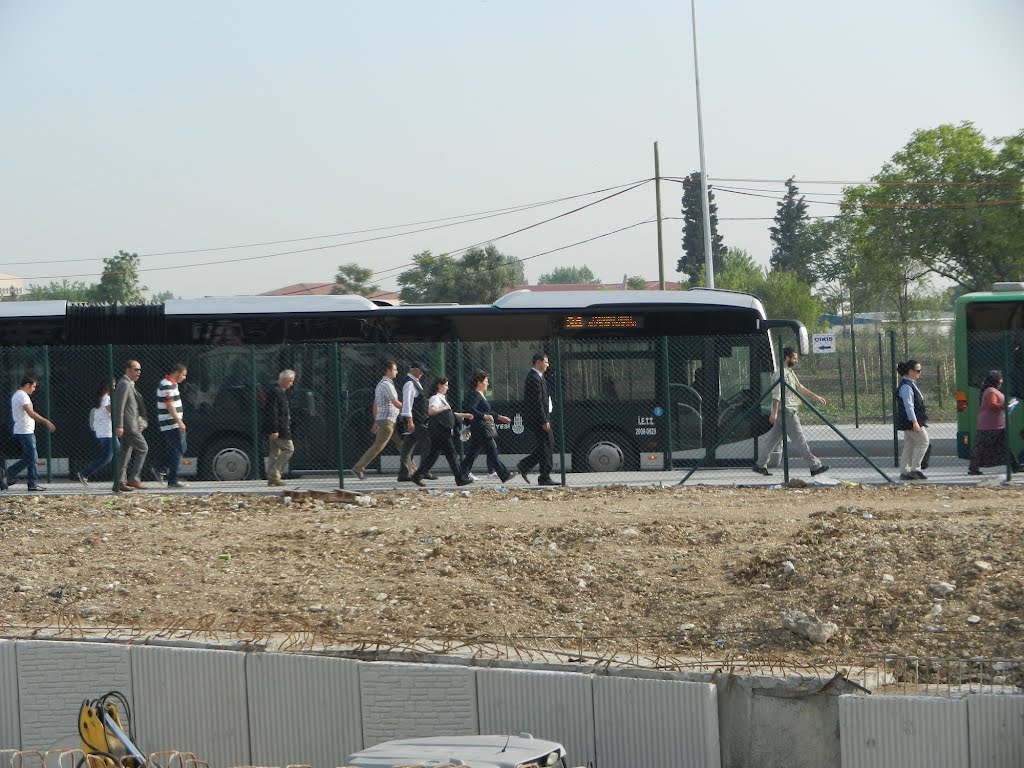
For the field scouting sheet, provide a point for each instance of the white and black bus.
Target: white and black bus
(642, 379)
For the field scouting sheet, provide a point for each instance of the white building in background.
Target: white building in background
(9, 283)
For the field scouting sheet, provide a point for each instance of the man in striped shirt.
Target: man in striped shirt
(386, 407)
(170, 418)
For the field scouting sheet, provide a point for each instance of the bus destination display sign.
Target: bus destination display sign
(601, 322)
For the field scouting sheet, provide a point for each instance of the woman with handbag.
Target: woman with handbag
(440, 425)
(483, 428)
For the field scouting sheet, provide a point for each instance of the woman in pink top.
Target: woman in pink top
(989, 449)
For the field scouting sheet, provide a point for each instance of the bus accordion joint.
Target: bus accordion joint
(961, 401)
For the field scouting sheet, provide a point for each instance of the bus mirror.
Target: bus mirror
(799, 330)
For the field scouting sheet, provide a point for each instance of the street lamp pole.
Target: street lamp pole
(709, 264)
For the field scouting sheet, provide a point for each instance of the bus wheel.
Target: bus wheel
(227, 460)
(603, 451)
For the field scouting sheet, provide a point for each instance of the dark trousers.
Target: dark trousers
(106, 453)
(438, 446)
(29, 457)
(543, 450)
(480, 442)
(416, 443)
(174, 449)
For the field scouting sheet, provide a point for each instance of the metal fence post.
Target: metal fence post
(881, 377)
(46, 405)
(782, 410)
(1007, 388)
(667, 393)
(336, 376)
(561, 411)
(842, 389)
(460, 387)
(116, 461)
(895, 397)
(255, 416)
(853, 355)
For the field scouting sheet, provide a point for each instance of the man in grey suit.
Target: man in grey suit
(129, 421)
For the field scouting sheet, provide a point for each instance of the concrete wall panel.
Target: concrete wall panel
(903, 732)
(558, 706)
(192, 701)
(406, 700)
(55, 677)
(802, 731)
(10, 722)
(655, 723)
(303, 709)
(996, 724)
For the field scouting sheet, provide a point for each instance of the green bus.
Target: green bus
(988, 330)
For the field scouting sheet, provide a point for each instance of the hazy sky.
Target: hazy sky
(197, 124)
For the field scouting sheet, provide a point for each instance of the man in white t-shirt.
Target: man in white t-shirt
(25, 417)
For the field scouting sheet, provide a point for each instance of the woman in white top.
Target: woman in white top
(440, 424)
(99, 420)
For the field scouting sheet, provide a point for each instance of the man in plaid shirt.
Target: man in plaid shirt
(386, 407)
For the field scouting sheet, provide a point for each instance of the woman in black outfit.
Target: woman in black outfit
(484, 418)
(440, 423)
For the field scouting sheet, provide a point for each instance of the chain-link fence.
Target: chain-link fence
(637, 410)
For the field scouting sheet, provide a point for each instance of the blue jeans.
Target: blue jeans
(106, 453)
(174, 449)
(29, 457)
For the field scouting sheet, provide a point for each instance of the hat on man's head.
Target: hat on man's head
(421, 366)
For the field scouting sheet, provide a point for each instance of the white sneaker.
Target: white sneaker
(492, 476)
(471, 478)
(83, 480)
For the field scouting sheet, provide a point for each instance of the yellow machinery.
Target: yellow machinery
(105, 742)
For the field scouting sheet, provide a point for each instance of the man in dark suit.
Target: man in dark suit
(537, 409)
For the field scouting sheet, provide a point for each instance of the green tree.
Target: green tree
(480, 276)
(66, 290)
(120, 280)
(160, 298)
(950, 200)
(784, 294)
(789, 246)
(569, 276)
(691, 263)
(354, 279)
(636, 283)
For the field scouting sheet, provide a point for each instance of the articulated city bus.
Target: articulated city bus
(988, 332)
(642, 379)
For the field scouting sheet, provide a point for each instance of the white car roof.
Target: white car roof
(472, 751)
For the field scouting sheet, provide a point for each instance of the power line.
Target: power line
(454, 221)
(511, 261)
(358, 242)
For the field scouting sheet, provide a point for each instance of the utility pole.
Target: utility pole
(709, 264)
(657, 205)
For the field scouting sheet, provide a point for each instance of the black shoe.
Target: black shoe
(417, 478)
(975, 472)
(522, 472)
(919, 475)
(430, 476)
(3, 483)
(819, 470)
(761, 470)
(509, 475)
(405, 479)
(547, 481)
(36, 488)
(908, 476)
(463, 481)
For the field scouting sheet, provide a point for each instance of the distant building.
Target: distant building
(325, 289)
(652, 285)
(11, 284)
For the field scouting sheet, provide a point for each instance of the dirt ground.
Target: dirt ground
(660, 571)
